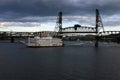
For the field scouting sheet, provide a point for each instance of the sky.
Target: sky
(42, 14)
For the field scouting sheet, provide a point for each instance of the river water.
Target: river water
(75, 61)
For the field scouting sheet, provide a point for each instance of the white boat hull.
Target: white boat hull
(44, 42)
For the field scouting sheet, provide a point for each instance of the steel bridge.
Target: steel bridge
(98, 30)
(85, 30)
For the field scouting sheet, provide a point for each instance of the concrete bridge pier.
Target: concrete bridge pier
(12, 39)
(96, 41)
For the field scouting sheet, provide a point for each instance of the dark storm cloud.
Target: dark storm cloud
(21, 8)
(46, 10)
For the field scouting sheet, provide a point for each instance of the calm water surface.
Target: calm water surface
(74, 61)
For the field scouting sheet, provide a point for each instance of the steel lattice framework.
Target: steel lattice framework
(58, 27)
(99, 24)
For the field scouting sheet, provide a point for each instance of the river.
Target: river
(75, 61)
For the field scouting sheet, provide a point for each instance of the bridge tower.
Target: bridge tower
(99, 24)
(98, 27)
(58, 27)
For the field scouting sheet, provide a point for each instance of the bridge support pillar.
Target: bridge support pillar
(12, 39)
(96, 41)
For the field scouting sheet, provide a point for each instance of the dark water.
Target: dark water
(74, 61)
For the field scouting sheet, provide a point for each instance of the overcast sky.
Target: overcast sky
(32, 13)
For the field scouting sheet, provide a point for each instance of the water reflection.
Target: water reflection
(75, 61)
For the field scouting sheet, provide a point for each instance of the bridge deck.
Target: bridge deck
(76, 32)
